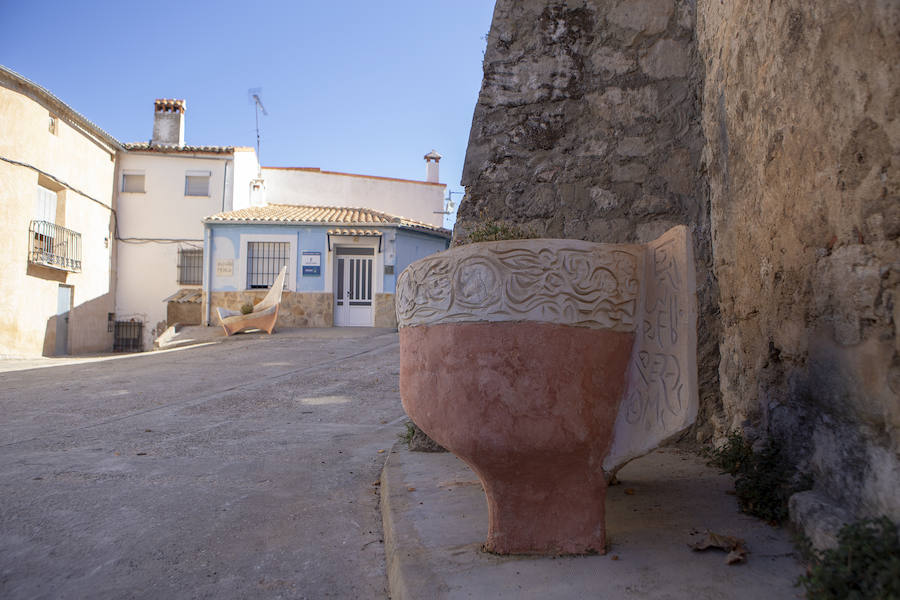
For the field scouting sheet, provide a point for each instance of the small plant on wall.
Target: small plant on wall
(495, 231)
(865, 564)
(764, 480)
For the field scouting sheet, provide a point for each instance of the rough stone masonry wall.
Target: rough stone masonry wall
(772, 128)
(588, 127)
(802, 120)
(297, 309)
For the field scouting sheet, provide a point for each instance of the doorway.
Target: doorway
(353, 271)
(63, 309)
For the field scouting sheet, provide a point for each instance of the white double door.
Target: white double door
(353, 286)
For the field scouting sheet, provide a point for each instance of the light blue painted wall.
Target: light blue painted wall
(312, 239)
(410, 247)
(226, 244)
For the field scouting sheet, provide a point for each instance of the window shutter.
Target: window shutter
(196, 183)
(45, 205)
(133, 182)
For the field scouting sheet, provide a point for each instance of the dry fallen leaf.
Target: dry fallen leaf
(629, 491)
(410, 489)
(380, 451)
(734, 546)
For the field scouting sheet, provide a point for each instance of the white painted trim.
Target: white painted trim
(370, 242)
(377, 267)
(268, 237)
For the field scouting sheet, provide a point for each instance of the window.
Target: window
(45, 205)
(190, 266)
(264, 262)
(128, 336)
(133, 182)
(196, 183)
(45, 217)
(53, 125)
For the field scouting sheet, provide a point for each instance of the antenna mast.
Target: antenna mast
(254, 94)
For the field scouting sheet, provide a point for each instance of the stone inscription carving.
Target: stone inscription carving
(661, 397)
(558, 281)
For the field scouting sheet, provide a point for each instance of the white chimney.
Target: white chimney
(432, 170)
(168, 122)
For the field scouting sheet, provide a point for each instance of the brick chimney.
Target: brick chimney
(432, 171)
(168, 122)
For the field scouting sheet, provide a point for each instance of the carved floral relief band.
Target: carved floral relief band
(561, 281)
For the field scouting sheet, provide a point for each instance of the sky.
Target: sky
(354, 86)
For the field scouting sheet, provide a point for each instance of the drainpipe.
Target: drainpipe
(207, 256)
(224, 184)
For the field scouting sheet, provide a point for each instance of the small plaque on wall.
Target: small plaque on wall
(311, 263)
(224, 268)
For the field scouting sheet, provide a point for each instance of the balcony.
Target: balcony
(53, 246)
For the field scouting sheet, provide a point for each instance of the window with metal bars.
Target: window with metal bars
(190, 266)
(128, 336)
(264, 262)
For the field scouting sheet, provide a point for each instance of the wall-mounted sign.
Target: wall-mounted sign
(224, 267)
(311, 263)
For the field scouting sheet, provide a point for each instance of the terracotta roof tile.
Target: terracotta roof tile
(320, 215)
(174, 148)
(354, 232)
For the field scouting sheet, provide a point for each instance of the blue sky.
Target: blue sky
(356, 86)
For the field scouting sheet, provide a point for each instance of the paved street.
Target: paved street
(241, 469)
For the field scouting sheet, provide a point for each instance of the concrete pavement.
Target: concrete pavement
(435, 519)
(239, 469)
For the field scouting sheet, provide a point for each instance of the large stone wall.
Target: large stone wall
(772, 130)
(588, 127)
(801, 106)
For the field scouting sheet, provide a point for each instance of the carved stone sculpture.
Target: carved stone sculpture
(546, 365)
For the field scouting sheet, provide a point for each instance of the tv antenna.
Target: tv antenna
(449, 205)
(254, 94)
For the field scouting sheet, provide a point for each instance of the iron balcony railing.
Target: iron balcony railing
(54, 246)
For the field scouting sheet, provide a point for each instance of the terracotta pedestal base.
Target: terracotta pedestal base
(531, 408)
(553, 506)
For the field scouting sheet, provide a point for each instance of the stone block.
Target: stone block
(648, 17)
(667, 59)
(633, 171)
(385, 313)
(634, 147)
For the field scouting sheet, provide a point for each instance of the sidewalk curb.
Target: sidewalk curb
(408, 573)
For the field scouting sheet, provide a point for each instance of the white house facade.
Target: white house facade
(56, 225)
(421, 201)
(165, 189)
